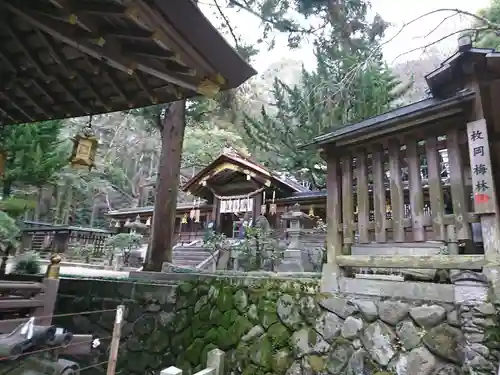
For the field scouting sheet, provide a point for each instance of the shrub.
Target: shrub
(28, 264)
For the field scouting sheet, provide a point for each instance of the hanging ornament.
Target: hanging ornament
(184, 219)
(127, 223)
(192, 213)
(197, 215)
(263, 209)
(273, 207)
(117, 224)
(148, 222)
(248, 177)
(84, 148)
(311, 211)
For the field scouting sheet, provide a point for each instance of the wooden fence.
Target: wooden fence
(416, 187)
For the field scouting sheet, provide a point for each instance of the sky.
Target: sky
(395, 12)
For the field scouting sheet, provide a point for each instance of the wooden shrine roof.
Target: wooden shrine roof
(68, 58)
(229, 173)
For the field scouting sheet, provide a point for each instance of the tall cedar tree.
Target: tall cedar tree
(322, 101)
(33, 154)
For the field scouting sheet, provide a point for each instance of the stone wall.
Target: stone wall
(279, 326)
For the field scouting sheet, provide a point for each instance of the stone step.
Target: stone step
(193, 257)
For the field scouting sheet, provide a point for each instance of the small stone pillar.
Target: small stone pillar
(292, 257)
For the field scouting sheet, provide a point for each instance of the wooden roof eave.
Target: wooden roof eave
(400, 119)
(61, 44)
(262, 175)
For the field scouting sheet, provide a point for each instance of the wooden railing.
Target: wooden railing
(215, 365)
(20, 300)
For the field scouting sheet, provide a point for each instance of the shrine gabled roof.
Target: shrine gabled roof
(63, 58)
(246, 164)
(389, 121)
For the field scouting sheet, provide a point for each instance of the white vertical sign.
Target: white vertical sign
(483, 188)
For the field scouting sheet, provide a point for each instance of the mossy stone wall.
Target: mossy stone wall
(273, 326)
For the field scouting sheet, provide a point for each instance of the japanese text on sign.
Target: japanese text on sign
(482, 179)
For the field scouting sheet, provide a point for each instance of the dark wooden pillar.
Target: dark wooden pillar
(172, 127)
(257, 202)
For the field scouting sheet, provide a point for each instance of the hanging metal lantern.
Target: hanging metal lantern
(148, 222)
(184, 219)
(84, 148)
(197, 215)
(3, 160)
(192, 213)
(263, 209)
(117, 224)
(311, 211)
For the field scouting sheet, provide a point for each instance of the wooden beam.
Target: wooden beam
(144, 87)
(18, 107)
(459, 262)
(167, 34)
(34, 102)
(35, 61)
(116, 60)
(74, 17)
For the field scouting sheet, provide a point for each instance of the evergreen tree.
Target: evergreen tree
(489, 38)
(33, 154)
(349, 84)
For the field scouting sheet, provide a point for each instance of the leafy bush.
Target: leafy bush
(9, 232)
(16, 206)
(125, 243)
(28, 264)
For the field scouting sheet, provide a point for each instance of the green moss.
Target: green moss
(279, 335)
(215, 316)
(201, 303)
(224, 340)
(253, 314)
(185, 288)
(281, 361)
(187, 337)
(204, 352)
(225, 301)
(194, 351)
(241, 301)
(182, 320)
(241, 326)
(177, 344)
(242, 352)
(213, 293)
(267, 313)
(158, 342)
(312, 337)
(317, 363)
(261, 352)
(252, 370)
(228, 318)
(211, 336)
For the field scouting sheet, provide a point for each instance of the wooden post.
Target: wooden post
(172, 136)
(115, 341)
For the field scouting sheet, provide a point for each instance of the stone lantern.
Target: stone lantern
(136, 225)
(292, 256)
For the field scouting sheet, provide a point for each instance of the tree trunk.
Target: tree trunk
(6, 189)
(167, 186)
(39, 202)
(95, 210)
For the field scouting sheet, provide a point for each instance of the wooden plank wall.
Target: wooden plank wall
(385, 193)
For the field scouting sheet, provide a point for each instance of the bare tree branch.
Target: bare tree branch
(424, 47)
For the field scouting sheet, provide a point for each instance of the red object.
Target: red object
(481, 198)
